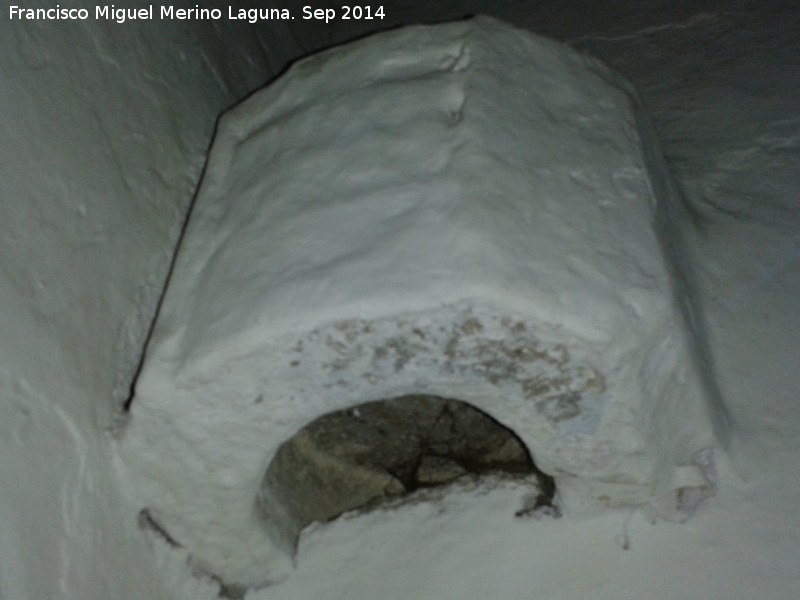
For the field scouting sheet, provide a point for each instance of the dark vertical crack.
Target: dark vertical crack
(170, 272)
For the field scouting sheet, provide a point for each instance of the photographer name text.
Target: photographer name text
(109, 12)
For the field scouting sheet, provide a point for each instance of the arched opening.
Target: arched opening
(361, 456)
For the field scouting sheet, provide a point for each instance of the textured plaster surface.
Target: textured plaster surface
(92, 124)
(380, 222)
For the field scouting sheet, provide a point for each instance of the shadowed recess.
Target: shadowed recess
(358, 457)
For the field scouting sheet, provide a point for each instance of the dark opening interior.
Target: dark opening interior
(361, 456)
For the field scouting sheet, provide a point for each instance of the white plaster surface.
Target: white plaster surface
(463, 210)
(720, 80)
(104, 130)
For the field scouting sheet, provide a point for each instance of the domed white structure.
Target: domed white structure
(466, 211)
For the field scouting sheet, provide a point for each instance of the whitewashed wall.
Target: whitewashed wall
(104, 129)
(103, 132)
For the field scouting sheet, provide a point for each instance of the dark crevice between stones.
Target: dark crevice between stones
(358, 458)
